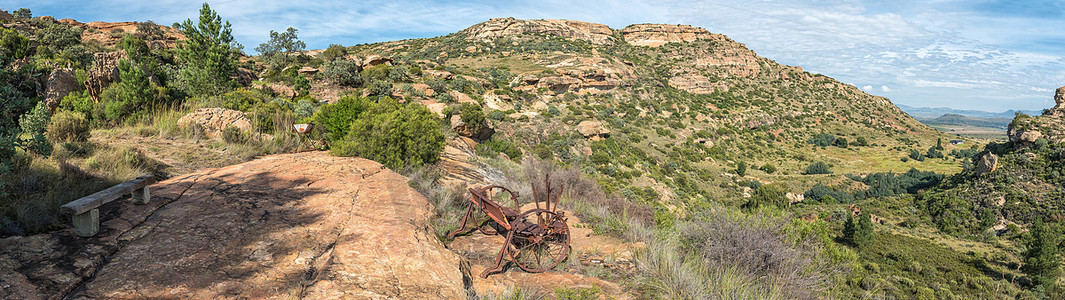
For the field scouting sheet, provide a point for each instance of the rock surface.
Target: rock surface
(480, 133)
(60, 83)
(103, 73)
(303, 225)
(510, 27)
(1059, 98)
(593, 129)
(215, 120)
(655, 35)
(986, 164)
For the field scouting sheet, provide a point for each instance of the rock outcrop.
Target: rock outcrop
(374, 60)
(593, 130)
(1059, 98)
(60, 83)
(305, 225)
(479, 132)
(215, 120)
(655, 35)
(103, 73)
(510, 27)
(987, 163)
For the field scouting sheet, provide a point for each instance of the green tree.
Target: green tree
(939, 144)
(34, 124)
(741, 168)
(850, 229)
(208, 54)
(148, 30)
(302, 86)
(23, 13)
(282, 44)
(858, 232)
(473, 116)
(134, 94)
(13, 45)
(1042, 261)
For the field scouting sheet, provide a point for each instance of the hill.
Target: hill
(932, 112)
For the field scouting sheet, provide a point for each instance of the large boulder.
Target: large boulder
(214, 120)
(593, 130)
(374, 60)
(987, 163)
(1022, 136)
(60, 83)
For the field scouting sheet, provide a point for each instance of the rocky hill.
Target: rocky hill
(1014, 182)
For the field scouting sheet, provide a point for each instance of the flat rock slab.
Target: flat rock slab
(304, 225)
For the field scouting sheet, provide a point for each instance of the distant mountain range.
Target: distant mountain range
(935, 112)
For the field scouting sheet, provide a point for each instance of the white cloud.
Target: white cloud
(884, 88)
(867, 88)
(942, 84)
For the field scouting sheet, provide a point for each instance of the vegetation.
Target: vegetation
(394, 135)
(208, 54)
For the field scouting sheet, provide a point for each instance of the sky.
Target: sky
(985, 55)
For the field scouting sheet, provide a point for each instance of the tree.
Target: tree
(208, 54)
(23, 13)
(395, 135)
(741, 168)
(1042, 261)
(939, 144)
(302, 86)
(148, 30)
(276, 51)
(858, 232)
(133, 94)
(823, 140)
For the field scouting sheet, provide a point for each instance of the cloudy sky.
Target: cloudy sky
(986, 55)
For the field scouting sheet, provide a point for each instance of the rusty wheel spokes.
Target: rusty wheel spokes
(546, 247)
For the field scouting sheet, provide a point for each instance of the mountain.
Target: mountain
(930, 112)
(962, 120)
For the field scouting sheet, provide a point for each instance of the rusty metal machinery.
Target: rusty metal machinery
(537, 240)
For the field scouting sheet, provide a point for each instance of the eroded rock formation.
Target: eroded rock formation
(508, 27)
(655, 35)
(215, 120)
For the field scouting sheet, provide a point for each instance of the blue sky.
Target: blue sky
(986, 55)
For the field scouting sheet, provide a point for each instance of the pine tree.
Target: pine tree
(864, 234)
(208, 53)
(849, 230)
(1041, 261)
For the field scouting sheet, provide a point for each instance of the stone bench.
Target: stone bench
(86, 211)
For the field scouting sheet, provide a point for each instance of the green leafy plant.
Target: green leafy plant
(395, 135)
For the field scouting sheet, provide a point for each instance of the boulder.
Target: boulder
(559, 84)
(1023, 137)
(462, 97)
(1059, 98)
(424, 88)
(307, 71)
(593, 130)
(438, 74)
(478, 133)
(987, 163)
(60, 83)
(435, 107)
(214, 120)
(374, 60)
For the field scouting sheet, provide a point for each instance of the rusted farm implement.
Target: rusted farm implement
(537, 239)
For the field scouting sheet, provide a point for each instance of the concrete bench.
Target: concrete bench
(86, 210)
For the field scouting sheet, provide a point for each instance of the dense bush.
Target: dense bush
(243, 99)
(891, 184)
(823, 140)
(768, 168)
(395, 135)
(33, 125)
(380, 88)
(473, 116)
(828, 195)
(134, 94)
(818, 168)
(376, 73)
(336, 118)
(13, 45)
(342, 72)
(67, 126)
(769, 194)
(334, 52)
(495, 145)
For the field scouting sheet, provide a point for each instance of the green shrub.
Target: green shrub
(377, 73)
(67, 126)
(342, 72)
(302, 86)
(34, 124)
(234, 135)
(769, 194)
(380, 88)
(497, 115)
(823, 140)
(395, 135)
(334, 52)
(768, 168)
(493, 146)
(473, 116)
(818, 168)
(305, 107)
(741, 168)
(336, 118)
(135, 94)
(265, 115)
(243, 99)
(13, 45)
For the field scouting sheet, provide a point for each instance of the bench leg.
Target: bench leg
(88, 223)
(141, 196)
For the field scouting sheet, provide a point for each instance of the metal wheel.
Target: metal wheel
(544, 244)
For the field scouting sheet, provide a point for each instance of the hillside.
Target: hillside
(691, 167)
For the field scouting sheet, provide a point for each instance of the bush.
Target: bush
(133, 95)
(336, 118)
(334, 52)
(380, 88)
(342, 72)
(473, 116)
(243, 99)
(13, 45)
(494, 146)
(67, 126)
(234, 135)
(741, 168)
(302, 86)
(395, 135)
(768, 168)
(823, 140)
(497, 115)
(377, 73)
(818, 168)
(769, 194)
(34, 124)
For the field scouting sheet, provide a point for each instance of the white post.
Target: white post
(141, 196)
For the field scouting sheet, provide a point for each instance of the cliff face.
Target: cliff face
(655, 35)
(505, 27)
